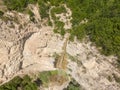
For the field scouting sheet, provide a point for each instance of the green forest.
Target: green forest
(103, 26)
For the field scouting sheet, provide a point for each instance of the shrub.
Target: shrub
(24, 83)
(18, 5)
(1, 13)
(44, 9)
(73, 85)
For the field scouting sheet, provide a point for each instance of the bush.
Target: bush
(44, 8)
(73, 85)
(31, 15)
(18, 5)
(12, 85)
(1, 13)
(24, 83)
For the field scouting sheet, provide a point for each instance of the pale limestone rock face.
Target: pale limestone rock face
(90, 64)
(12, 39)
(39, 50)
(91, 69)
(3, 55)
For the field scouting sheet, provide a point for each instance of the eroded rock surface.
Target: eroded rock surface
(90, 68)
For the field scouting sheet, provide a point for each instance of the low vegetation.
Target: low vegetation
(43, 79)
(103, 17)
(58, 77)
(18, 5)
(18, 83)
(31, 15)
(75, 59)
(59, 26)
(103, 25)
(73, 85)
(117, 78)
(44, 8)
(1, 13)
(56, 56)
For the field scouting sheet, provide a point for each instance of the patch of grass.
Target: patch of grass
(55, 76)
(59, 10)
(49, 22)
(59, 26)
(62, 32)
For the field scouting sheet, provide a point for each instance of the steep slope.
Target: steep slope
(28, 45)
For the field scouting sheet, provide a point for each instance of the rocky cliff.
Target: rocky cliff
(29, 47)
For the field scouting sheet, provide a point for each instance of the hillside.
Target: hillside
(59, 45)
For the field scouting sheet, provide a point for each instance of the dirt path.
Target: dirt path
(62, 60)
